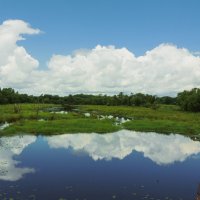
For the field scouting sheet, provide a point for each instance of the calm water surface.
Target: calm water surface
(124, 165)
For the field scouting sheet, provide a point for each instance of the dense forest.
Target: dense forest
(9, 96)
(187, 100)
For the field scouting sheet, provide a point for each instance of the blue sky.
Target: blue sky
(168, 29)
(138, 25)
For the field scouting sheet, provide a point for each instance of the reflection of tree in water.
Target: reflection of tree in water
(198, 193)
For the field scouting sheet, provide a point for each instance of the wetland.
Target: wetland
(98, 152)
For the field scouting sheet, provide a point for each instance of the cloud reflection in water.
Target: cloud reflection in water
(161, 149)
(9, 147)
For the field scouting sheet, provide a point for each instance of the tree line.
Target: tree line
(10, 96)
(187, 100)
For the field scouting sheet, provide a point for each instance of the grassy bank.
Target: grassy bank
(163, 126)
(36, 119)
(165, 119)
(80, 125)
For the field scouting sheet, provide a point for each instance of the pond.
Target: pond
(123, 165)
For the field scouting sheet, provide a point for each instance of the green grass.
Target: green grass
(27, 121)
(163, 126)
(81, 125)
(31, 112)
(165, 119)
(164, 112)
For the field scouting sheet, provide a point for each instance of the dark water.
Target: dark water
(124, 165)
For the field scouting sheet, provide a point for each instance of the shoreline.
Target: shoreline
(34, 119)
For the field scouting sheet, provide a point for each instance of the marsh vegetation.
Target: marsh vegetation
(54, 119)
(52, 114)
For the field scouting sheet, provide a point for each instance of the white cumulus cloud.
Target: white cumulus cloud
(16, 65)
(166, 69)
